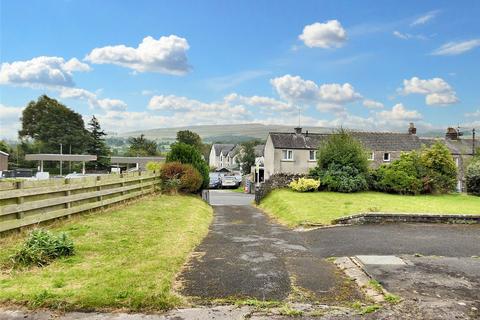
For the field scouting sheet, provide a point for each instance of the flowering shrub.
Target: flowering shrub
(304, 185)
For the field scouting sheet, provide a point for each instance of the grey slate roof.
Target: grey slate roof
(375, 141)
(224, 148)
(456, 147)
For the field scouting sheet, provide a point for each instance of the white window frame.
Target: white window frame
(287, 152)
(314, 155)
(372, 156)
(389, 157)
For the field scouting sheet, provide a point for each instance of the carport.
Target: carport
(61, 158)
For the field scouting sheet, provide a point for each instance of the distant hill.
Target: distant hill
(232, 133)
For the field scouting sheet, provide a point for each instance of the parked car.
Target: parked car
(215, 181)
(229, 182)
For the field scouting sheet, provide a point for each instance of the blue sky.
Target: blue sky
(371, 65)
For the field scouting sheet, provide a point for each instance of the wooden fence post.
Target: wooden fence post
(20, 200)
(99, 188)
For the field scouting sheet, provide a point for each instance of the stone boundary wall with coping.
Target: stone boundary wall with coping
(379, 217)
(276, 181)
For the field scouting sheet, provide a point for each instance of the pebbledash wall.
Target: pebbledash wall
(24, 203)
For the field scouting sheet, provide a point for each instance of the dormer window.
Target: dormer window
(386, 157)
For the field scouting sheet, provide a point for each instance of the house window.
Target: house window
(312, 155)
(372, 156)
(386, 156)
(287, 155)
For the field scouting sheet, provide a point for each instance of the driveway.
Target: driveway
(248, 255)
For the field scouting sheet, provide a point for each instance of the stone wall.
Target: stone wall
(379, 217)
(276, 181)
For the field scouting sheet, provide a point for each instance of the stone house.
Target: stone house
(296, 152)
(224, 156)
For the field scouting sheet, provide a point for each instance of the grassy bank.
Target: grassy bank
(294, 208)
(125, 258)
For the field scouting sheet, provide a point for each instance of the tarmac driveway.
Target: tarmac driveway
(248, 255)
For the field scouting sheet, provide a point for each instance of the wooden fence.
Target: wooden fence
(24, 203)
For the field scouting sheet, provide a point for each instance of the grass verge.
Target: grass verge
(126, 258)
(295, 208)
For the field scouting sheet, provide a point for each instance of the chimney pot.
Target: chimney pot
(298, 130)
(411, 129)
(452, 134)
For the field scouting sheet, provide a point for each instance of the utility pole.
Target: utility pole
(473, 141)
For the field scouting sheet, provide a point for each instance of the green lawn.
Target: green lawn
(295, 208)
(126, 258)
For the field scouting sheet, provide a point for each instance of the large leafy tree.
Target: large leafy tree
(141, 146)
(190, 138)
(52, 123)
(246, 159)
(441, 171)
(96, 145)
(188, 154)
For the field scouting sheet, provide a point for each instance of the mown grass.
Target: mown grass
(295, 208)
(125, 258)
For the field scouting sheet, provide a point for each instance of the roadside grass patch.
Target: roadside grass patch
(295, 209)
(290, 312)
(392, 298)
(125, 258)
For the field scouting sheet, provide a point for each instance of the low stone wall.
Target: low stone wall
(379, 217)
(276, 181)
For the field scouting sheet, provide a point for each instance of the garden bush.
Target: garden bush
(403, 176)
(344, 179)
(154, 166)
(304, 185)
(342, 164)
(473, 178)
(440, 169)
(42, 247)
(187, 154)
(176, 176)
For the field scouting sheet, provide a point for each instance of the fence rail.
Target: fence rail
(26, 206)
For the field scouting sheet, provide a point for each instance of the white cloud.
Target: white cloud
(294, 88)
(372, 104)
(455, 48)
(399, 113)
(436, 90)
(9, 121)
(92, 98)
(324, 35)
(165, 55)
(407, 36)
(265, 103)
(475, 114)
(41, 72)
(425, 18)
(327, 97)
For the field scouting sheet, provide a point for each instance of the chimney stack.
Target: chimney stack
(298, 130)
(452, 134)
(411, 129)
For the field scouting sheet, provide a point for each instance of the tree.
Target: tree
(190, 138)
(342, 163)
(441, 171)
(188, 154)
(52, 123)
(96, 145)
(473, 177)
(4, 146)
(141, 146)
(246, 159)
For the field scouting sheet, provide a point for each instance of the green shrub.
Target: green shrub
(403, 176)
(176, 176)
(441, 171)
(41, 247)
(473, 178)
(343, 179)
(154, 166)
(188, 154)
(304, 184)
(342, 164)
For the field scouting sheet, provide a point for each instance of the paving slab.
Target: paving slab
(381, 260)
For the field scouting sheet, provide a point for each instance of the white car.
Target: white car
(229, 181)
